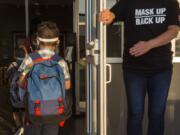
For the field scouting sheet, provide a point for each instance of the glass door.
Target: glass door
(102, 56)
(91, 67)
(96, 69)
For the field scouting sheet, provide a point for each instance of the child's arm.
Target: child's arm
(22, 81)
(68, 84)
(65, 68)
(23, 76)
(24, 68)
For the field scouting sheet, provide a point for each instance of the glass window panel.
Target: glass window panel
(114, 36)
(82, 6)
(114, 40)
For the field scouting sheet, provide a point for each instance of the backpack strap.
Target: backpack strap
(36, 57)
(56, 58)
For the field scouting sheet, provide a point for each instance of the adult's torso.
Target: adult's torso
(144, 20)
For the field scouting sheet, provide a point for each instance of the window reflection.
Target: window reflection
(114, 40)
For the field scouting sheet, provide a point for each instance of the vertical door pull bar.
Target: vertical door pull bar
(110, 73)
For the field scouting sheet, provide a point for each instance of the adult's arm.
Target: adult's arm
(143, 47)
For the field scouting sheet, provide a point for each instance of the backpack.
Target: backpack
(47, 100)
(16, 93)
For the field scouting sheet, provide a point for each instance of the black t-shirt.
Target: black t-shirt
(144, 20)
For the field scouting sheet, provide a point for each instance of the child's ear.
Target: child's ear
(58, 42)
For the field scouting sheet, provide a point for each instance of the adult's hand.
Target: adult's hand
(106, 16)
(143, 47)
(140, 48)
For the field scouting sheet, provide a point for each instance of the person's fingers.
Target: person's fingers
(106, 20)
(138, 49)
(103, 17)
(106, 13)
(135, 50)
(137, 53)
(109, 21)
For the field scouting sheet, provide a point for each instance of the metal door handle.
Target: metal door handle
(110, 73)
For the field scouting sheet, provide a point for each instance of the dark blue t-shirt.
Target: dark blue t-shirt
(144, 20)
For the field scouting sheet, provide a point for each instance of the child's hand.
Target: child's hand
(23, 78)
(67, 84)
(22, 81)
(28, 68)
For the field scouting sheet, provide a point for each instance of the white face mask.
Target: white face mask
(45, 53)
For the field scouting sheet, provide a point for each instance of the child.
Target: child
(12, 70)
(47, 39)
(20, 53)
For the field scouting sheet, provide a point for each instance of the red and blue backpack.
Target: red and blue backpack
(47, 100)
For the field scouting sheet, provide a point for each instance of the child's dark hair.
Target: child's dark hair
(19, 53)
(47, 30)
